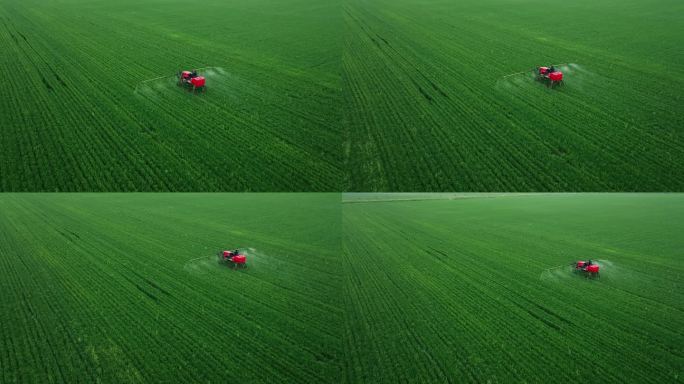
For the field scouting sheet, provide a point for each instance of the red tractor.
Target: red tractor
(191, 80)
(550, 76)
(587, 268)
(237, 259)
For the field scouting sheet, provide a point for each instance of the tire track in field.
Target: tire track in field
(41, 298)
(389, 305)
(425, 167)
(130, 320)
(455, 312)
(103, 137)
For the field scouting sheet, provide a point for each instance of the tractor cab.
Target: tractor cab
(198, 81)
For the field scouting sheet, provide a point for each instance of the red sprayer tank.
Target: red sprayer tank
(556, 76)
(198, 81)
(594, 268)
(239, 259)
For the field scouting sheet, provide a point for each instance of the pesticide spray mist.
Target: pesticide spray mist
(572, 71)
(200, 265)
(564, 272)
(148, 87)
(204, 264)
